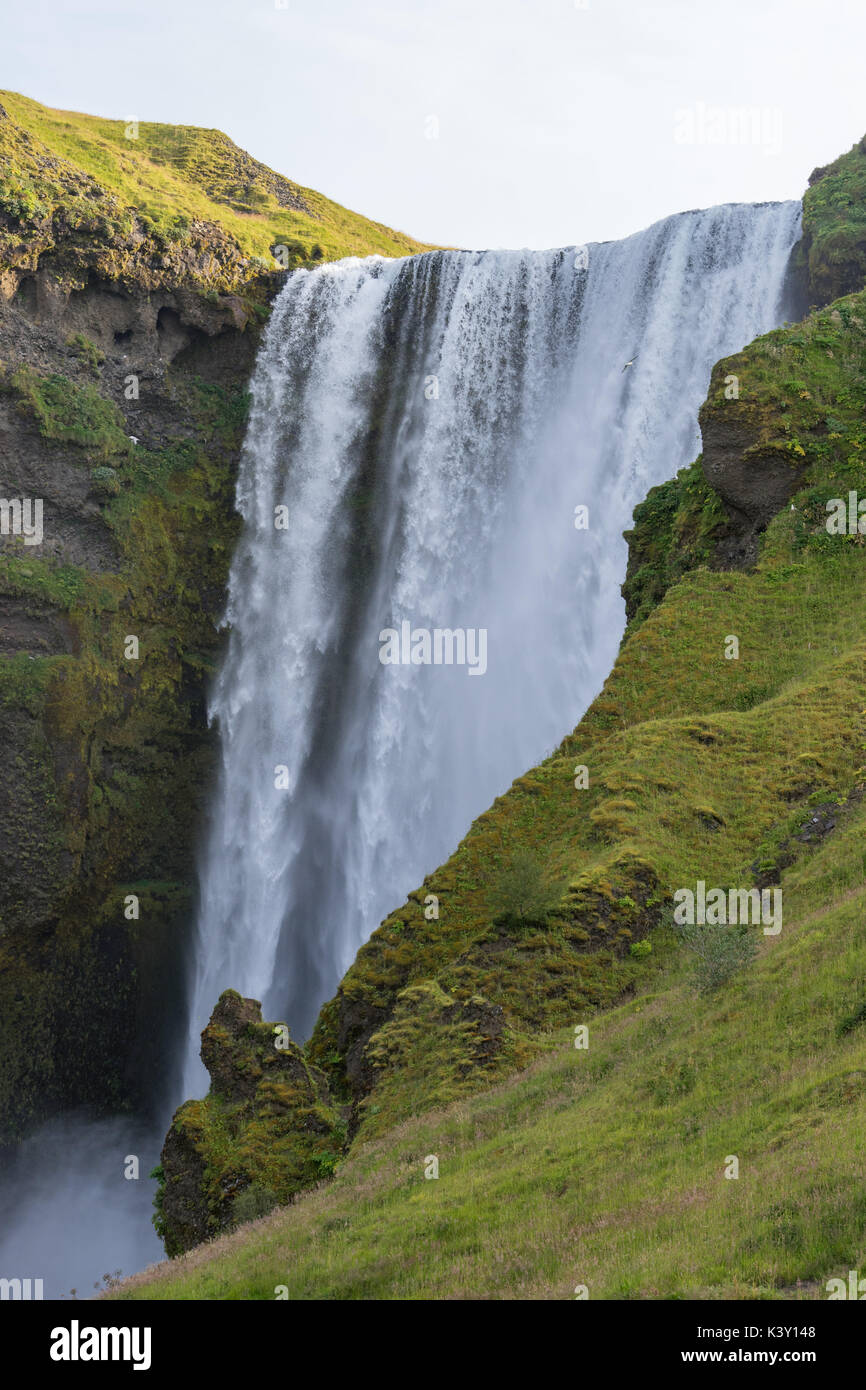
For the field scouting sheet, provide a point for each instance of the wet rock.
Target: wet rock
(266, 1129)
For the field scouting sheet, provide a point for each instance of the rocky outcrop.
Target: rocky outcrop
(266, 1129)
(831, 257)
(747, 462)
(780, 416)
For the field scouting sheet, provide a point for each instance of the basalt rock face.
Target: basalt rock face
(122, 411)
(265, 1130)
(747, 464)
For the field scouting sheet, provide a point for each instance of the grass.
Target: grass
(605, 1166)
(180, 184)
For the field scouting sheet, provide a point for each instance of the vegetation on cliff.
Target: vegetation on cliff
(265, 1130)
(833, 250)
(158, 205)
(111, 754)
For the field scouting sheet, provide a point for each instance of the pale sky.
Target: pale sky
(482, 123)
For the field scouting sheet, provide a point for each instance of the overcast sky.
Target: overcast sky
(489, 123)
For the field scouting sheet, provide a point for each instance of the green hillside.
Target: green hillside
(605, 1167)
(77, 184)
(833, 249)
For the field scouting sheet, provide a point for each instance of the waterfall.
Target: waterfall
(421, 433)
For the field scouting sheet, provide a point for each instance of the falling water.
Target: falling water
(421, 433)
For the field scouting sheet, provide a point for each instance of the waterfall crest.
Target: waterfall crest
(421, 433)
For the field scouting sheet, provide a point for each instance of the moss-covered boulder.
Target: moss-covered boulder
(265, 1130)
(832, 253)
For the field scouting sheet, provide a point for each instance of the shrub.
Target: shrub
(720, 950)
(253, 1202)
(522, 894)
(88, 354)
(851, 1021)
(104, 482)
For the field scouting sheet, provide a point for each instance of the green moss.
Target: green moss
(675, 529)
(118, 753)
(69, 414)
(833, 250)
(265, 1130)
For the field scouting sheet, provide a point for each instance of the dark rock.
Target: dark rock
(265, 1130)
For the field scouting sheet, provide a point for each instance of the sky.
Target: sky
(477, 123)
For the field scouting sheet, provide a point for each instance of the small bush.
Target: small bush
(253, 1202)
(104, 482)
(720, 950)
(523, 895)
(851, 1021)
(88, 354)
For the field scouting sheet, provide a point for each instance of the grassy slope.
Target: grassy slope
(172, 176)
(606, 1167)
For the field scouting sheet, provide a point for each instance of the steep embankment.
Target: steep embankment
(605, 1167)
(135, 273)
(735, 764)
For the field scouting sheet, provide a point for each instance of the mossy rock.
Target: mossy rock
(266, 1129)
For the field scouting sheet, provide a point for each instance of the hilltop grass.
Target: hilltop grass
(605, 1167)
(172, 175)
